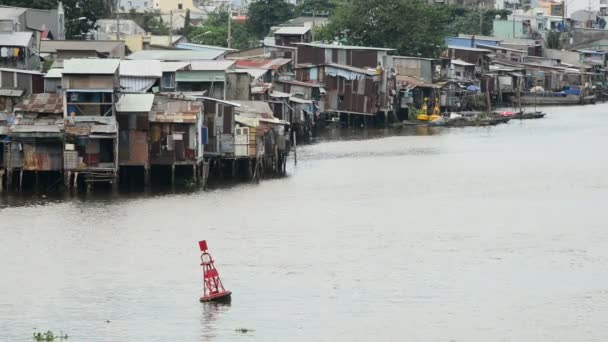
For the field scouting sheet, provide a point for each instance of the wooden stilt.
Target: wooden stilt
(75, 186)
(36, 180)
(173, 175)
(295, 149)
(234, 168)
(9, 179)
(195, 173)
(146, 176)
(1, 180)
(249, 170)
(21, 180)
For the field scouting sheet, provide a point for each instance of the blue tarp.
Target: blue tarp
(473, 88)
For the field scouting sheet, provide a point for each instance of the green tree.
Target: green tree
(553, 40)
(320, 7)
(264, 14)
(215, 32)
(187, 24)
(410, 26)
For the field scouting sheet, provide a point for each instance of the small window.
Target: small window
(180, 6)
(145, 4)
(130, 4)
(168, 80)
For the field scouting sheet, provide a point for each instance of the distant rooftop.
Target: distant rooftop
(93, 66)
(141, 68)
(104, 46)
(15, 38)
(176, 55)
(292, 30)
(199, 47)
(211, 65)
(164, 40)
(343, 47)
(468, 48)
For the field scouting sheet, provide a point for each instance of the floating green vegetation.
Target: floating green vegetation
(244, 330)
(49, 336)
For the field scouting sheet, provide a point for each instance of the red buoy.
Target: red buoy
(213, 290)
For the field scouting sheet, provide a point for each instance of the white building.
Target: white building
(137, 5)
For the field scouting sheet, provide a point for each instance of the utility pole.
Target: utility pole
(229, 41)
(313, 24)
(481, 5)
(564, 15)
(117, 25)
(170, 29)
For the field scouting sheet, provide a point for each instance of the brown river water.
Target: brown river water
(468, 234)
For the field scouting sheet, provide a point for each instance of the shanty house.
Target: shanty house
(246, 129)
(423, 68)
(289, 35)
(355, 56)
(205, 76)
(37, 135)
(348, 89)
(91, 132)
(259, 134)
(132, 115)
(16, 83)
(461, 70)
(176, 133)
(277, 68)
(476, 56)
(140, 76)
(19, 50)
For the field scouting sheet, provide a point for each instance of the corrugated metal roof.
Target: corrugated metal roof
(173, 66)
(299, 100)
(467, 48)
(461, 62)
(211, 65)
(41, 103)
(141, 68)
(254, 109)
(11, 13)
(177, 55)
(255, 73)
(19, 71)
(135, 103)
(16, 38)
(279, 94)
(164, 40)
(170, 110)
(11, 92)
(200, 76)
(343, 47)
(201, 47)
(86, 125)
(104, 46)
(269, 64)
(36, 129)
(54, 73)
(92, 66)
(292, 30)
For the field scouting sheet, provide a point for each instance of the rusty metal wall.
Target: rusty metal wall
(43, 156)
(312, 55)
